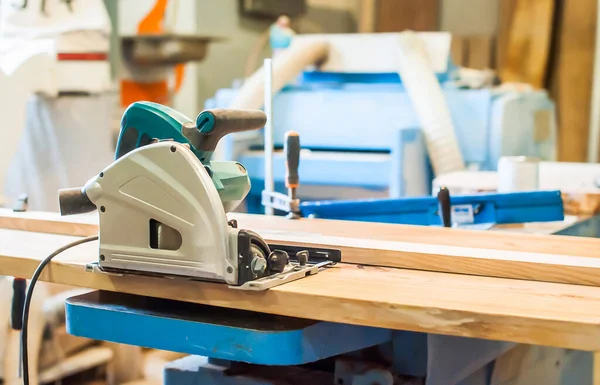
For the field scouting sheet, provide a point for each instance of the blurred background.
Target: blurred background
(390, 98)
(518, 81)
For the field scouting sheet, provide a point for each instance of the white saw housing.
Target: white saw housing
(160, 213)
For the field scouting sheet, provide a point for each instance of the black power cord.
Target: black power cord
(29, 296)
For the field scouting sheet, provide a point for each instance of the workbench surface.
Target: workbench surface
(464, 305)
(559, 259)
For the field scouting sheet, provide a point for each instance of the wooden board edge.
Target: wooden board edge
(289, 301)
(447, 259)
(46, 222)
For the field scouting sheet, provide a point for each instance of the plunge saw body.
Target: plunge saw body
(161, 212)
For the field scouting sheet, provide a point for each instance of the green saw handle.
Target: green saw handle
(143, 122)
(291, 148)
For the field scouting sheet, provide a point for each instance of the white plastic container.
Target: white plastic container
(518, 173)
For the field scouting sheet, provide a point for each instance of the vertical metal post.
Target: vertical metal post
(269, 183)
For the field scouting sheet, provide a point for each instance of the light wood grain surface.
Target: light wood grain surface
(544, 258)
(481, 307)
(401, 15)
(528, 43)
(571, 76)
(596, 369)
(480, 52)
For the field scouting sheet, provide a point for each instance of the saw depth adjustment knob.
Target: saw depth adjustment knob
(302, 257)
(278, 260)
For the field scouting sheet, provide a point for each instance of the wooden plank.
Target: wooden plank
(528, 365)
(596, 369)
(77, 363)
(581, 202)
(366, 16)
(126, 365)
(480, 52)
(572, 75)
(479, 307)
(522, 256)
(459, 50)
(400, 15)
(526, 52)
(61, 344)
(505, 14)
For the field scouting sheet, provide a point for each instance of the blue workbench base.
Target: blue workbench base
(229, 334)
(238, 340)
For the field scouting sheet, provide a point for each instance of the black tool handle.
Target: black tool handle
(215, 123)
(74, 201)
(291, 148)
(18, 303)
(444, 206)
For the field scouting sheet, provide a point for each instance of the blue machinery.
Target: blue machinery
(345, 144)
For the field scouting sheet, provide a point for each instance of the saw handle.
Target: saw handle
(215, 123)
(291, 148)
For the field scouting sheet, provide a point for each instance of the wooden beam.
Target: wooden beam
(535, 257)
(367, 16)
(479, 307)
(77, 363)
(480, 52)
(596, 369)
(459, 50)
(526, 52)
(505, 15)
(400, 15)
(571, 76)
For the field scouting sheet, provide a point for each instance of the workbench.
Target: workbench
(499, 295)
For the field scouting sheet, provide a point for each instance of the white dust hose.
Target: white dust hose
(269, 183)
(427, 98)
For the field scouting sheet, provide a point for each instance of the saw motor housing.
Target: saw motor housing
(161, 214)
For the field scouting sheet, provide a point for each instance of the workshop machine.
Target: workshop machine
(479, 211)
(162, 204)
(361, 134)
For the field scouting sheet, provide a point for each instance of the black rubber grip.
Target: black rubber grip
(291, 148)
(444, 206)
(18, 303)
(74, 201)
(215, 123)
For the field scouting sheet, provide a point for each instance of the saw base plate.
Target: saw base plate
(292, 273)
